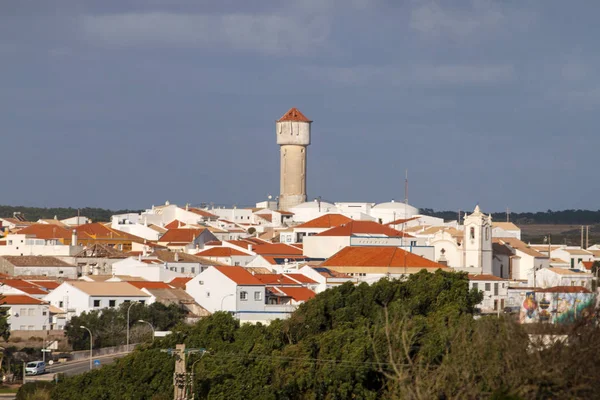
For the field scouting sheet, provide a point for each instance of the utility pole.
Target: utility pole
(587, 236)
(182, 380)
(507, 214)
(582, 236)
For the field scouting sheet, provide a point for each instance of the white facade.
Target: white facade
(164, 272)
(26, 245)
(551, 277)
(391, 211)
(494, 290)
(572, 255)
(75, 301)
(27, 315)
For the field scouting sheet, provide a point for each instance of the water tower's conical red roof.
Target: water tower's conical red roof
(294, 114)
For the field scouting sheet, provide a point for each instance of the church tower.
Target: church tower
(477, 242)
(293, 137)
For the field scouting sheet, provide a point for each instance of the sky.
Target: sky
(129, 103)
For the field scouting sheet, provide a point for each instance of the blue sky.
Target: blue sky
(129, 103)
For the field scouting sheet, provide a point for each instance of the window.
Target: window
(193, 270)
(572, 283)
(201, 282)
(22, 327)
(142, 301)
(472, 234)
(22, 312)
(9, 242)
(44, 312)
(243, 296)
(96, 303)
(502, 272)
(182, 270)
(43, 327)
(60, 304)
(496, 289)
(257, 296)
(30, 312)
(237, 264)
(582, 283)
(112, 303)
(495, 304)
(488, 287)
(413, 242)
(475, 286)
(487, 233)
(207, 294)
(30, 327)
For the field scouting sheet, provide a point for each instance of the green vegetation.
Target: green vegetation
(564, 217)
(109, 326)
(36, 213)
(415, 339)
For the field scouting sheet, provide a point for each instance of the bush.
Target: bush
(38, 390)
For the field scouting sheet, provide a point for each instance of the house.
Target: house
(97, 233)
(313, 227)
(288, 295)
(186, 240)
(38, 266)
(227, 255)
(179, 282)
(76, 297)
(325, 277)
(26, 313)
(550, 277)
(183, 263)
(573, 255)
(527, 258)
(179, 297)
(371, 263)
(494, 290)
(506, 229)
(18, 244)
(502, 260)
(149, 269)
(356, 233)
(22, 287)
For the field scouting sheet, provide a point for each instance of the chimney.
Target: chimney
(74, 238)
(187, 206)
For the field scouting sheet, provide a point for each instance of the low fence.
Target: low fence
(105, 351)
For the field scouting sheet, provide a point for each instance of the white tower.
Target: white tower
(293, 135)
(477, 243)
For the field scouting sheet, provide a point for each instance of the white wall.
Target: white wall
(211, 289)
(28, 317)
(151, 272)
(324, 246)
(67, 272)
(22, 245)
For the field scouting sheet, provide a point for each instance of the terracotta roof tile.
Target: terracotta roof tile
(17, 299)
(301, 278)
(276, 249)
(180, 235)
(239, 275)
(175, 224)
(179, 282)
(108, 288)
(46, 231)
(375, 256)
(38, 261)
(203, 213)
(297, 293)
(221, 252)
(588, 265)
(564, 289)
(275, 279)
(293, 114)
(363, 228)
(326, 221)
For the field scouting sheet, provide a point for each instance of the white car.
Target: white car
(35, 368)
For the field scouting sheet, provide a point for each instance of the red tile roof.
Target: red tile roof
(375, 256)
(239, 275)
(202, 213)
(221, 252)
(46, 231)
(402, 221)
(180, 235)
(276, 249)
(275, 279)
(267, 217)
(364, 228)
(174, 224)
(588, 265)
(301, 278)
(97, 230)
(298, 293)
(293, 114)
(24, 286)
(46, 284)
(19, 299)
(564, 289)
(179, 282)
(149, 285)
(326, 221)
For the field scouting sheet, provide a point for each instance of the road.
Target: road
(71, 368)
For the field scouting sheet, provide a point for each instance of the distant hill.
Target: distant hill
(36, 213)
(565, 217)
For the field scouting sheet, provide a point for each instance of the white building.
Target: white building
(551, 277)
(28, 245)
(26, 313)
(494, 290)
(326, 278)
(150, 270)
(525, 259)
(38, 266)
(77, 297)
(505, 229)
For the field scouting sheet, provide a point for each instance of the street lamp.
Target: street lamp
(223, 298)
(151, 327)
(91, 344)
(129, 308)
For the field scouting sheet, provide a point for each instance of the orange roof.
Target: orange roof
(276, 249)
(375, 256)
(363, 227)
(202, 213)
(20, 299)
(401, 221)
(301, 278)
(267, 217)
(149, 285)
(46, 284)
(588, 265)
(293, 114)
(23, 286)
(180, 235)
(97, 230)
(221, 252)
(298, 293)
(564, 289)
(275, 279)
(46, 231)
(174, 224)
(239, 275)
(326, 221)
(179, 282)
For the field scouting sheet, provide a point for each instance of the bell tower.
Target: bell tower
(293, 137)
(477, 242)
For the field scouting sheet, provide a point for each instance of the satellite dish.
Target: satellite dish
(50, 362)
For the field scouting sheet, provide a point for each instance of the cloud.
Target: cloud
(264, 33)
(432, 20)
